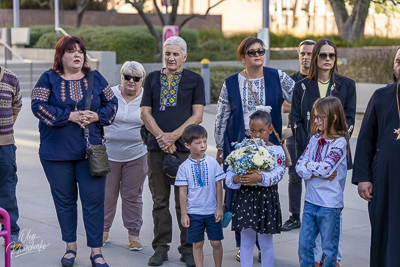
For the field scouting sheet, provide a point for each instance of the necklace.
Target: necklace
(397, 131)
(323, 82)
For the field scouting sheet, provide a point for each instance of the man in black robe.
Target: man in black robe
(396, 67)
(376, 171)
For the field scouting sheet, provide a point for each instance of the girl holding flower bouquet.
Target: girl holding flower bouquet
(256, 167)
(323, 166)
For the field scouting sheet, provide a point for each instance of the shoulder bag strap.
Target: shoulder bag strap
(87, 103)
(258, 103)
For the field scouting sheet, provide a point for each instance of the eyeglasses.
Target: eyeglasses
(319, 118)
(135, 79)
(252, 52)
(324, 56)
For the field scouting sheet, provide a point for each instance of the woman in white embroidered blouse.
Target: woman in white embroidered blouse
(237, 102)
(251, 54)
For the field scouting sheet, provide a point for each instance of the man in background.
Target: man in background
(10, 106)
(295, 184)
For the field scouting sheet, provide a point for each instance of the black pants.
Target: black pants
(295, 184)
(160, 191)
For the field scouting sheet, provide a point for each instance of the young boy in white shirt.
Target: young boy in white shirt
(200, 193)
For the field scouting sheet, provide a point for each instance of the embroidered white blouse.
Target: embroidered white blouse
(323, 159)
(248, 102)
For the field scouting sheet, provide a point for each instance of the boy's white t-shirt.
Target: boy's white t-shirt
(201, 200)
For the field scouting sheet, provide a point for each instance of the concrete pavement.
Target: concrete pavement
(42, 237)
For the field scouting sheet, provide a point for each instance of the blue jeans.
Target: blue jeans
(326, 221)
(8, 185)
(318, 249)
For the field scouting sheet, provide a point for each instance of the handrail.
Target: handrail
(95, 60)
(62, 30)
(28, 61)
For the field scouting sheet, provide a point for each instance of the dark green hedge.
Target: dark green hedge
(129, 42)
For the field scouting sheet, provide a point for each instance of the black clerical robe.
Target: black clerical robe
(377, 160)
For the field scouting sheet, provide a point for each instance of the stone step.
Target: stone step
(23, 71)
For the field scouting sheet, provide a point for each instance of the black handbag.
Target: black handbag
(144, 133)
(96, 154)
(171, 166)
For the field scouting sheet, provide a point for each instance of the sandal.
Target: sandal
(96, 264)
(68, 262)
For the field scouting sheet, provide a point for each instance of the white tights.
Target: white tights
(247, 241)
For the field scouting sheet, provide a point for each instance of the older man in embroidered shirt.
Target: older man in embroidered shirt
(173, 98)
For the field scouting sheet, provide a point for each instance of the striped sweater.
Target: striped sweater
(10, 105)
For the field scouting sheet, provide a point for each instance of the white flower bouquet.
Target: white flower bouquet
(250, 155)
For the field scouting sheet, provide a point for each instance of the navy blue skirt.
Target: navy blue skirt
(257, 208)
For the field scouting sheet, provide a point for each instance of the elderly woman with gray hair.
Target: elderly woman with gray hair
(127, 156)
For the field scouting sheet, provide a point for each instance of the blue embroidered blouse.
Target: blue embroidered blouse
(53, 99)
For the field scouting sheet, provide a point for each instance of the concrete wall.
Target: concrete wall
(29, 17)
(106, 65)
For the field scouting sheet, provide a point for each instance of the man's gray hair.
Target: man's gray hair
(176, 40)
(305, 42)
(133, 67)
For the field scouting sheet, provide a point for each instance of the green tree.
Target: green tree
(350, 25)
(139, 6)
(350, 15)
(388, 8)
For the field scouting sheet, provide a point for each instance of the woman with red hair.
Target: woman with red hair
(58, 101)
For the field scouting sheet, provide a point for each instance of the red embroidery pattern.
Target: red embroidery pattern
(280, 161)
(301, 157)
(45, 112)
(113, 116)
(41, 94)
(334, 156)
(75, 91)
(63, 94)
(108, 93)
(48, 123)
(85, 83)
(318, 157)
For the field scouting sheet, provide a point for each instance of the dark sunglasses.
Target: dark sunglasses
(252, 52)
(324, 56)
(135, 79)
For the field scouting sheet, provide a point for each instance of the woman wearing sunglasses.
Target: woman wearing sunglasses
(237, 102)
(323, 80)
(127, 156)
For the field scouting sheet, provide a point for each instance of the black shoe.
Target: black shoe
(188, 258)
(291, 224)
(158, 258)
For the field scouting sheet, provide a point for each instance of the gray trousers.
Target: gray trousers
(126, 178)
